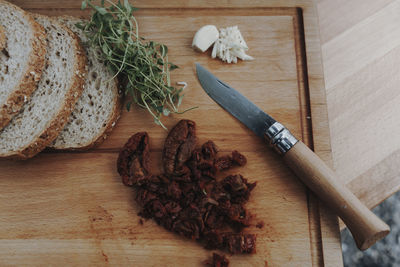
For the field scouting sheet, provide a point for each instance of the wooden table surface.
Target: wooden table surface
(360, 42)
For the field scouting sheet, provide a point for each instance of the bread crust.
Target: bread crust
(29, 81)
(110, 124)
(73, 94)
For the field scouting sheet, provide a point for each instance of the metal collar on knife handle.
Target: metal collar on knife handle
(280, 138)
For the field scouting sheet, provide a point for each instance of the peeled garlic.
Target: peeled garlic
(230, 46)
(205, 37)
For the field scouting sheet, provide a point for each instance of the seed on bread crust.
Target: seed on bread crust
(2, 38)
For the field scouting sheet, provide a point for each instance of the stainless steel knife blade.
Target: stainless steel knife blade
(234, 102)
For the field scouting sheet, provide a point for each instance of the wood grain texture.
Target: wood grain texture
(72, 207)
(361, 55)
(363, 224)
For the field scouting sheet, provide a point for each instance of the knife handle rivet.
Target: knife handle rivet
(280, 138)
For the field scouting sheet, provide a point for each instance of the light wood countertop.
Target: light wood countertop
(360, 42)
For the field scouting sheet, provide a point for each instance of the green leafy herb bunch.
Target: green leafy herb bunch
(142, 66)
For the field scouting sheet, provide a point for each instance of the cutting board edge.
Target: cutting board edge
(329, 225)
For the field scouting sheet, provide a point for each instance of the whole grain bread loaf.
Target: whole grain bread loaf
(99, 107)
(47, 111)
(22, 59)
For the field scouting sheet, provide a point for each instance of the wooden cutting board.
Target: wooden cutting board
(71, 207)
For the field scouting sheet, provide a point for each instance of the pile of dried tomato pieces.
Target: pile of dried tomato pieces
(188, 199)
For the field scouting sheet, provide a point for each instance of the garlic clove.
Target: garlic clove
(205, 37)
(230, 46)
(215, 49)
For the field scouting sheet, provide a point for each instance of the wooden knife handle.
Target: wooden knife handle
(364, 225)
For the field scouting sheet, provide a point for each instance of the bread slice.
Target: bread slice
(22, 58)
(48, 110)
(99, 107)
